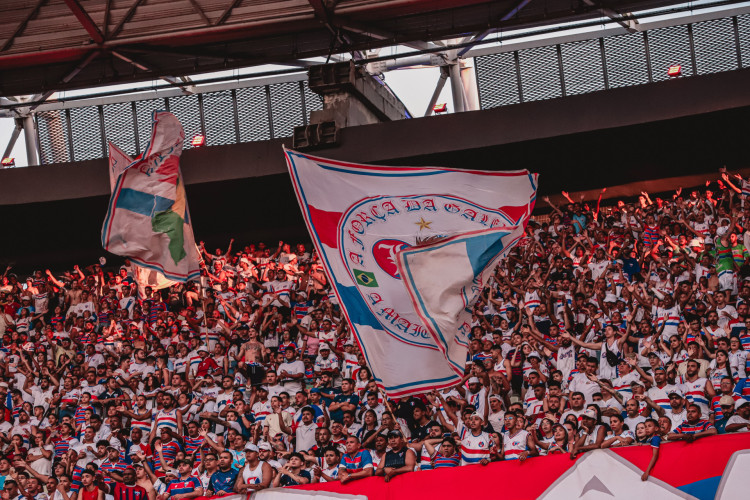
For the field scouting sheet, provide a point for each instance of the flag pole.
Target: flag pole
(390, 411)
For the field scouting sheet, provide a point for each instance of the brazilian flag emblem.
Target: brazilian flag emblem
(365, 278)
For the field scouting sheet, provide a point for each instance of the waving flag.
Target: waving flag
(362, 219)
(148, 219)
(444, 281)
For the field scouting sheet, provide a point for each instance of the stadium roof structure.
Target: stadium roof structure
(51, 45)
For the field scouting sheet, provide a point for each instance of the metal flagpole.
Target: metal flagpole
(388, 408)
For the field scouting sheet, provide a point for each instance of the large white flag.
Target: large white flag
(148, 219)
(361, 217)
(144, 277)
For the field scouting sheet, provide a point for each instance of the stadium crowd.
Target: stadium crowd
(607, 326)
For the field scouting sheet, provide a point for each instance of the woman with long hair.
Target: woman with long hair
(364, 375)
(619, 436)
(560, 436)
(720, 368)
(369, 429)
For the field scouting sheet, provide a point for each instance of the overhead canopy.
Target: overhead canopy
(48, 45)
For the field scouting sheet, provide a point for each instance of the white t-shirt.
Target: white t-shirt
(736, 419)
(296, 367)
(582, 384)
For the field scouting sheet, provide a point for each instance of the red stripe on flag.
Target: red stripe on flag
(325, 224)
(515, 213)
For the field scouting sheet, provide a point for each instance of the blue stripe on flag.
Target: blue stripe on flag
(482, 249)
(142, 203)
(357, 308)
(704, 489)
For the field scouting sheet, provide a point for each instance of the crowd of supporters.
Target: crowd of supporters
(607, 326)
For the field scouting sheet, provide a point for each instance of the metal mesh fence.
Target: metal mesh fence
(540, 73)
(286, 108)
(616, 61)
(625, 56)
(582, 67)
(715, 49)
(497, 79)
(85, 127)
(669, 46)
(743, 32)
(218, 113)
(313, 101)
(118, 126)
(53, 140)
(187, 109)
(252, 110)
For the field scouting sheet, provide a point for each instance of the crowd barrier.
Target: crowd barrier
(710, 468)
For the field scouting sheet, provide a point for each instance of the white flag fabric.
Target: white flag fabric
(360, 217)
(444, 280)
(119, 160)
(148, 219)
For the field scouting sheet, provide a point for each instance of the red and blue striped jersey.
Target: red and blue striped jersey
(650, 235)
(301, 309)
(193, 444)
(108, 466)
(169, 450)
(166, 419)
(743, 388)
(124, 492)
(688, 428)
(62, 446)
(80, 415)
(356, 463)
(180, 486)
(695, 392)
(441, 461)
(156, 308)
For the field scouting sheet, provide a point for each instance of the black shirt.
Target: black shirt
(395, 459)
(288, 481)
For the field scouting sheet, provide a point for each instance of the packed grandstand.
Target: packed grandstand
(606, 327)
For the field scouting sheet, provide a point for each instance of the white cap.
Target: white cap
(610, 297)
(473, 380)
(589, 413)
(740, 402)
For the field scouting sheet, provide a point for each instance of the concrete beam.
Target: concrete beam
(420, 137)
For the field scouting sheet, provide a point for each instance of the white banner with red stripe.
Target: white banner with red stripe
(362, 217)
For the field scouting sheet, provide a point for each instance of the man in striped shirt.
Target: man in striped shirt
(128, 489)
(185, 486)
(356, 463)
(112, 466)
(693, 428)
